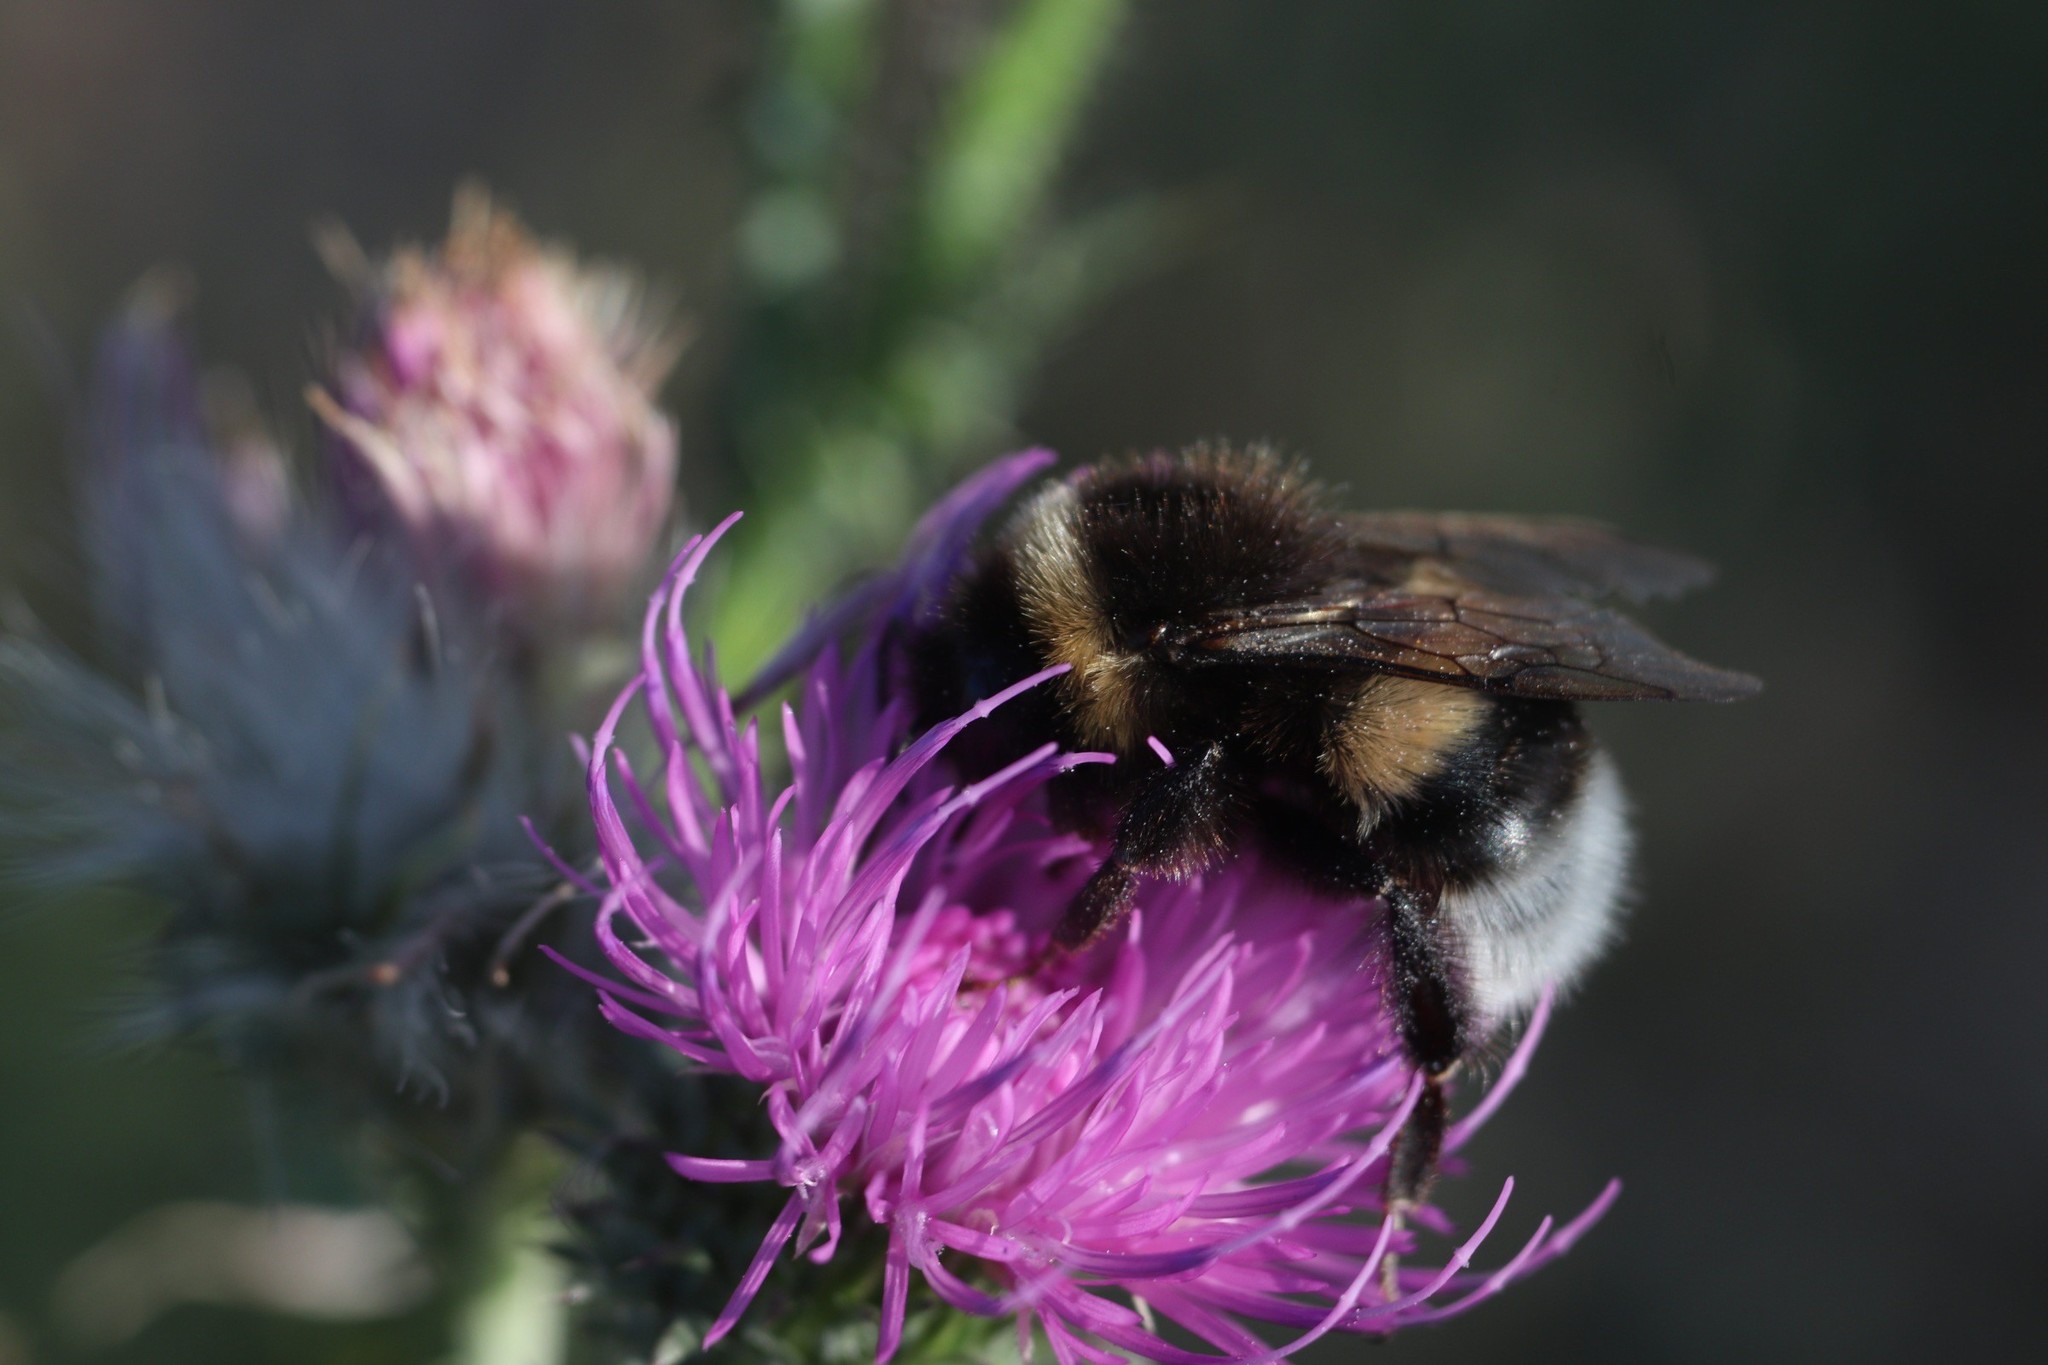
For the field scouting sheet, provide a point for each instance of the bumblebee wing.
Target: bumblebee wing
(1558, 648)
(1535, 555)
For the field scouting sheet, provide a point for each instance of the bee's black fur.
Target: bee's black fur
(1105, 573)
(1173, 537)
(1524, 766)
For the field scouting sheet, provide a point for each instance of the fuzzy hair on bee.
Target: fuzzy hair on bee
(1386, 703)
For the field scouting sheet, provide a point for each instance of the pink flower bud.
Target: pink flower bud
(498, 401)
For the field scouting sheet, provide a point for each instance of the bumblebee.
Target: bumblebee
(1386, 703)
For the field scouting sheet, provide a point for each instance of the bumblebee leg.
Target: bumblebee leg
(1436, 1027)
(1101, 904)
(1431, 1014)
(1411, 1169)
(1176, 823)
(1435, 1021)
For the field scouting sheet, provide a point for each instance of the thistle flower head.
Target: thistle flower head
(282, 737)
(498, 399)
(1189, 1122)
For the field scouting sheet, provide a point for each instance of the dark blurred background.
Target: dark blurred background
(1765, 280)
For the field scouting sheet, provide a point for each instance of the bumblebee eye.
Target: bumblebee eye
(1167, 644)
(1126, 635)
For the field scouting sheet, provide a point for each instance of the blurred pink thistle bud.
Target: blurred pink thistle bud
(1193, 1115)
(498, 399)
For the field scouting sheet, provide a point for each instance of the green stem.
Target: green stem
(516, 1312)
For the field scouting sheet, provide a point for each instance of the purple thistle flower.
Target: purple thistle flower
(1191, 1113)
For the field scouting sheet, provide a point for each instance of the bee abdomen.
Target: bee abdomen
(1540, 918)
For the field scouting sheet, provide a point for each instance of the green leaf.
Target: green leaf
(1009, 127)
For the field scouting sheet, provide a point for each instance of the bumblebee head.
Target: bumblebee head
(1112, 563)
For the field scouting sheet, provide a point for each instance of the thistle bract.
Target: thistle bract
(283, 736)
(1189, 1122)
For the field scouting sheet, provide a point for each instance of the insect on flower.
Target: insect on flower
(1385, 703)
(1191, 1120)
